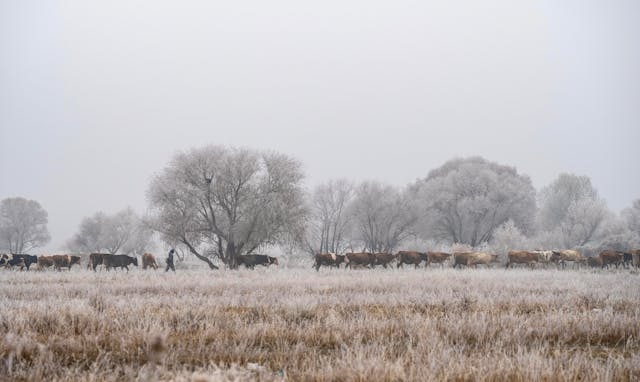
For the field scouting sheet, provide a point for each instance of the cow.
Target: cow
(437, 258)
(594, 261)
(382, 258)
(250, 261)
(26, 261)
(627, 259)
(608, 257)
(481, 258)
(365, 259)
(328, 260)
(561, 257)
(18, 260)
(149, 261)
(636, 258)
(544, 257)
(45, 262)
(115, 261)
(411, 257)
(522, 257)
(95, 259)
(460, 258)
(64, 261)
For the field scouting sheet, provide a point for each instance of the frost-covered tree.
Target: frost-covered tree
(465, 200)
(631, 216)
(121, 232)
(327, 225)
(223, 202)
(23, 225)
(571, 212)
(382, 216)
(508, 237)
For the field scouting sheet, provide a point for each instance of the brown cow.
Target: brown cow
(437, 258)
(411, 257)
(65, 261)
(610, 258)
(561, 257)
(460, 258)
(148, 260)
(481, 258)
(45, 261)
(522, 257)
(361, 258)
(328, 259)
(594, 261)
(383, 259)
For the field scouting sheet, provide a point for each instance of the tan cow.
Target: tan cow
(437, 258)
(65, 261)
(148, 260)
(481, 258)
(522, 257)
(561, 257)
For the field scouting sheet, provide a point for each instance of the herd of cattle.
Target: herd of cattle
(351, 260)
(473, 259)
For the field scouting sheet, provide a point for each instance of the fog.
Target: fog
(96, 97)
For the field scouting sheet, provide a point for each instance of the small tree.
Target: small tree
(123, 231)
(223, 202)
(23, 225)
(327, 226)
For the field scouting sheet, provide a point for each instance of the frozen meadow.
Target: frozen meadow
(299, 324)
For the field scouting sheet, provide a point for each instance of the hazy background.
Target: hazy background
(96, 97)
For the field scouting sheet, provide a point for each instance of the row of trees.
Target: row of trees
(218, 203)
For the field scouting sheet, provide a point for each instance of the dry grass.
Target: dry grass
(276, 324)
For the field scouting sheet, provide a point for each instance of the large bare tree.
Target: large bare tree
(465, 200)
(223, 202)
(327, 225)
(23, 225)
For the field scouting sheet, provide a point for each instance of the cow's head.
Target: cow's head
(134, 261)
(273, 260)
(74, 260)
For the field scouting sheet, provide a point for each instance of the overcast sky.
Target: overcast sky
(95, 97)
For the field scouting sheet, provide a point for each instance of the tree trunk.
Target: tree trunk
(199, 256)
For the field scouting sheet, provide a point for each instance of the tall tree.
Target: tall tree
(571, 212)
(23, 225)
(224, 202)
(631, 216)
(382, 216)
(465, 200)
(327, 225)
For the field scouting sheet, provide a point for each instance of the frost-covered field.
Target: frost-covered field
(365, 325)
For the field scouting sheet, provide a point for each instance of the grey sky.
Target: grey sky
(96, 96)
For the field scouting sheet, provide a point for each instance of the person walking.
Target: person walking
(170, 261)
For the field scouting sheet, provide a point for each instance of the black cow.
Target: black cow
(250, 261)
(627, 259)
(95, 259)
(122, 261)
(23, 261)
(14, 260)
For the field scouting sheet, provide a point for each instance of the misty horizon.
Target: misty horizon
(95, 100)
